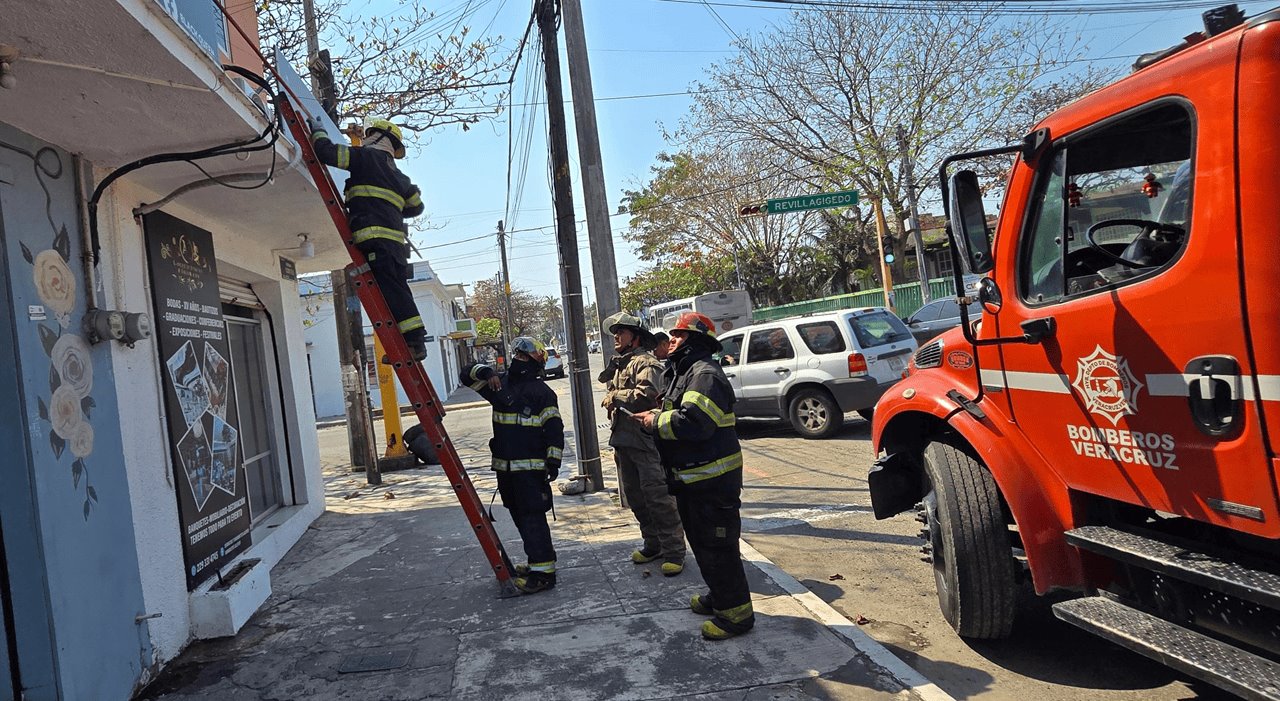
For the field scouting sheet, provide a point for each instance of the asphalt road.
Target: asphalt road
(806, 507)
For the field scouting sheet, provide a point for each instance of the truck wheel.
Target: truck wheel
(972, 555)
(814, 414)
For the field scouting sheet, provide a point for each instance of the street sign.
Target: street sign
(825, 200)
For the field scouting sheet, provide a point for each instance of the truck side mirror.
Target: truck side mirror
(969, 222)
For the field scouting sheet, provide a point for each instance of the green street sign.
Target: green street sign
(825, 200)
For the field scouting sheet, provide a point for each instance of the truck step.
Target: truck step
(1199, 568)
(1239, 672)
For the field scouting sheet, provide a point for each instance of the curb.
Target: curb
(833, 619)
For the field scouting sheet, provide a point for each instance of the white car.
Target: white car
(812, 369)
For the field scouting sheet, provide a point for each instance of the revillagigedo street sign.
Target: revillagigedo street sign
(784, 205)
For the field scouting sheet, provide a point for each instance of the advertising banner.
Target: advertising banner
(213, 504)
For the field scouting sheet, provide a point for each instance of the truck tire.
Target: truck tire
(814, 414)
(972, 555)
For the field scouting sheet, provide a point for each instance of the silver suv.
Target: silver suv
(813, 369)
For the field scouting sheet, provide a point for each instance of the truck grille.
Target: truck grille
(929, 355)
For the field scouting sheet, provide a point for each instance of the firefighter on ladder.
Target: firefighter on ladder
(379, 199)
(527, 445)
(699, 446)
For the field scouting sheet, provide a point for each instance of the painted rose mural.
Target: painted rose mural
(68, 405)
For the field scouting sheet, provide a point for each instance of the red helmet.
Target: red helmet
(693, 322)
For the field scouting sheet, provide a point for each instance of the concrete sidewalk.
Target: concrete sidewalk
(461, 398)
(390, 597)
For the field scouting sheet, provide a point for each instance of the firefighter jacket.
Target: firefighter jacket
(379, 197)
(633, 381)
(695, 428)
(528, 433)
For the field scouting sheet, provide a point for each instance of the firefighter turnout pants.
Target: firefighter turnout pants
(644, 487)
(389, 263)
(527, 495)
(713, 523)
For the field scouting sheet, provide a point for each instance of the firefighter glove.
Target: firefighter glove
(553, 470)
(314, 124)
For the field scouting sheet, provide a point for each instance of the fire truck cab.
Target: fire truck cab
(1109, 424)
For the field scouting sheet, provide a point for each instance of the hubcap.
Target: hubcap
(812, 414)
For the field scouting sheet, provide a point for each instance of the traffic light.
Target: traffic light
(886, 244)
(753, 209)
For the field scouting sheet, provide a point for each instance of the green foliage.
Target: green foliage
(489, 328)
(668, 281)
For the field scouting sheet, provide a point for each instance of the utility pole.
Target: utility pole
(346, 316)
(584, 404)
(604, 267)
(908, 172)
(346, 305)
(506, 289)
(886, 272)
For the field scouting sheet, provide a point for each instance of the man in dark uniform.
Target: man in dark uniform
(379, 198)
(698, 443)
(527, 445)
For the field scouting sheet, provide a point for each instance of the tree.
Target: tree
(829, 87)
(688, 212)
(668, 281)
(489, 328)
(404, 62)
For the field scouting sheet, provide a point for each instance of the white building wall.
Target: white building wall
(126, 285)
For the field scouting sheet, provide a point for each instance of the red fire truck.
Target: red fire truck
(1110, 423)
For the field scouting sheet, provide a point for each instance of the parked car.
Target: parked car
(555, 364)
(593, 346)
(938, 316)
(813, 369)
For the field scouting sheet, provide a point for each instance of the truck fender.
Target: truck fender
(1039, 501)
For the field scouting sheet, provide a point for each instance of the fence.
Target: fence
(906, 297)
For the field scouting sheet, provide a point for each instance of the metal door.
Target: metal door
(767, 369)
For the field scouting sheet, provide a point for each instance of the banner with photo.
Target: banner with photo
(213, 500)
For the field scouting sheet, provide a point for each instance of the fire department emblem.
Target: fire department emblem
(1107, 384)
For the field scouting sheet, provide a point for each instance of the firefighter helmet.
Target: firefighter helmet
(531, 347)
(392, 131)
(693, 322)
(623, 320)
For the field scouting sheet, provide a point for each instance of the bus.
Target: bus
(729, 309)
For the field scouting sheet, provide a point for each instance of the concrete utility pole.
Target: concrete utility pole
(908, 172)
(604, 267)
(584, 404)
(346, 316)
(506, 289)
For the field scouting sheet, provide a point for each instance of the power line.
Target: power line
(1005, 7)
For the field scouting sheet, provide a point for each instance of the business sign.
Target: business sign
(213, 500)
(202, 20)
(825, 200)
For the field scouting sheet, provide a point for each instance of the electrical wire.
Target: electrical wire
(1005, 7)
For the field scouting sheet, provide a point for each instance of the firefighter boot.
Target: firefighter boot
(701, 605)
(417, 349)
(642, 556)
(535, 582)
(729, 623)
(671, 568)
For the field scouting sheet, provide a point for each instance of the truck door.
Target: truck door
(1129, 244)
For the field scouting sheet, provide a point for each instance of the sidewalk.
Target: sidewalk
(389, 596)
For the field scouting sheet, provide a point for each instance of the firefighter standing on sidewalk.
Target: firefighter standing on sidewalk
(699, 448)
(633, 381)
(379, 198)
(527, 445)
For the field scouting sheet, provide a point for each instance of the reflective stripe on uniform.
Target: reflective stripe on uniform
(711, 469)
(549, 413)
(415, 200)
(413, 322)
(343, 157)
(547, 567)
(518, 465)
(554, 453)
(376, 192)
(513, 418)
(665, 429)
(477, 386)
(709, 408)
(475, 372)
(378, 232)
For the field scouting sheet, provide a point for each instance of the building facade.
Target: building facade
(437, 303)
(161, 438)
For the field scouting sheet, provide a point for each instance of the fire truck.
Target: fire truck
(1109, 423)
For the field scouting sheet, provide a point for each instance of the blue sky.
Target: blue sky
(637, 47)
